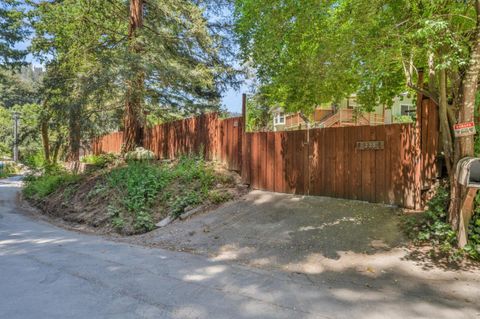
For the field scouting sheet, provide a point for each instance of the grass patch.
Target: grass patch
(39, 187)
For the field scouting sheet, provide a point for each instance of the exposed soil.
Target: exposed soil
(80, 207)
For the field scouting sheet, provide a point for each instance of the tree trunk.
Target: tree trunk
(133, 116)
(74, 133)
(56, 150)
(465, 145)
(45, 140)
(445, 132)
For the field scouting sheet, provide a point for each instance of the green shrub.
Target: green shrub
(473, 246)
(433, 228)
(183, 201)
(140, 186)
(137, 186)
(139, 154)
(99, 161)
(8, 169)
(402, 119)
(218, 197)
(42, 186)
(35, 160)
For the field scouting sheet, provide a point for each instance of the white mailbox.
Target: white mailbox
(468, 172)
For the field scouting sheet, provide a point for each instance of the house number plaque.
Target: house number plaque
(370, 145)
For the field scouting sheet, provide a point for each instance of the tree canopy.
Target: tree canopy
(110, 67)
(311, 52)
(13, 30)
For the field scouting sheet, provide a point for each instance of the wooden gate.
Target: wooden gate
(229, 151)
(331, 162)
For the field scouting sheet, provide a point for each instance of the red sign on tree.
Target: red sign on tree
(464, 129)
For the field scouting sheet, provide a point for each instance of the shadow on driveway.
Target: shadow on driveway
(285, 231)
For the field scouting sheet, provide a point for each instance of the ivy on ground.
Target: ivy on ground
(432, 228)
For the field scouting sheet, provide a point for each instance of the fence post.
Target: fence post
(245, 154)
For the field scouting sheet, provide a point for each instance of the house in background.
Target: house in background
(347, 113)
(289, 121)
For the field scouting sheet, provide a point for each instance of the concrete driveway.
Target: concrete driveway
(48, 272)
(299, 233)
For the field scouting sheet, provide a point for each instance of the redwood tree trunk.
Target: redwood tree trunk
(133, 115)
(464, 146)
(74, 132)
(45, 140)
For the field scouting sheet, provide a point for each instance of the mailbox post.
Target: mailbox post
(468, 175)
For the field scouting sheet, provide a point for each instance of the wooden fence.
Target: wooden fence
(321, 161)
(328, 162)
(192, 135)
(110, 143)
(217, 139)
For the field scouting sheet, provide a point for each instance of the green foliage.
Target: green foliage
(88, 55)
(20, 86)
(99, 161)
(8, 169)
(183, 201)
(29, 140)
(433, 228)
(258, 115)
(93, 44)
(140, 187)
(402, 119)
(98, 190)
(218, 197)
(69, 192)
(311, 52)
(38, 187)
(140, 154)
(35, 160)
(473, 246)
(135, 195)
(194, 168)
(12, 32)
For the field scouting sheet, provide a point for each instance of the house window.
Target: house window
(351, 102)
(407, 109)
(279, 119)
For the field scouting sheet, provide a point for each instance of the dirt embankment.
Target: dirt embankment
(89, 204)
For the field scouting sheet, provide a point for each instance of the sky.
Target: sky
(232, 100)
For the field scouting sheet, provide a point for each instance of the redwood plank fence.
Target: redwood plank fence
(322, 161)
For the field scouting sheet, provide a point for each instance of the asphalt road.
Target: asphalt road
(48, 272)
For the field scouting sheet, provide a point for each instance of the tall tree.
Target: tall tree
(162, 55)
(13, 30)
(133, 118)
